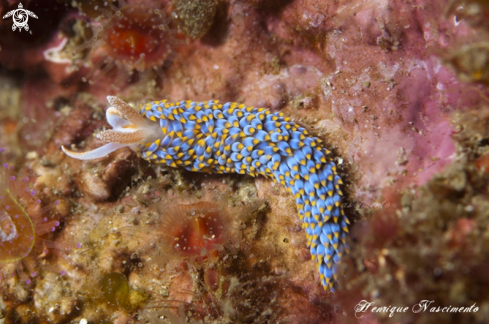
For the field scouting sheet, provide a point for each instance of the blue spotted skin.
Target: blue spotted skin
(233, 138)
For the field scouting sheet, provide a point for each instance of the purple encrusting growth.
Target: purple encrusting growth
(233, 138)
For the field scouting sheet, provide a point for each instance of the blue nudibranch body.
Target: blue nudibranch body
(233, 138)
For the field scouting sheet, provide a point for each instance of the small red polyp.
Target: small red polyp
(137, 34)
(194, 230)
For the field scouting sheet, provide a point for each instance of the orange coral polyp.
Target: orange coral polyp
(131, 42)
(137, 34)
(195, 229)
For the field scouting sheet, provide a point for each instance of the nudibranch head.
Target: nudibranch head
(128, 130)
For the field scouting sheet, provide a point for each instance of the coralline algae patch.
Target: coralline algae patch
(432, 240)
(390, 110)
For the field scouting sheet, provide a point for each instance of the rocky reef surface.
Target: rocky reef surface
(398, 90)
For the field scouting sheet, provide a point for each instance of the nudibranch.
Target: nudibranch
(233, 138)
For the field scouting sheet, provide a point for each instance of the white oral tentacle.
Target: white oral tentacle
(94, 154)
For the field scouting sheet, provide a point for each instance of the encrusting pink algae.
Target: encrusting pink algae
(185, 209)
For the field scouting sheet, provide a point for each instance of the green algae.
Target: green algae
(117, 291)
